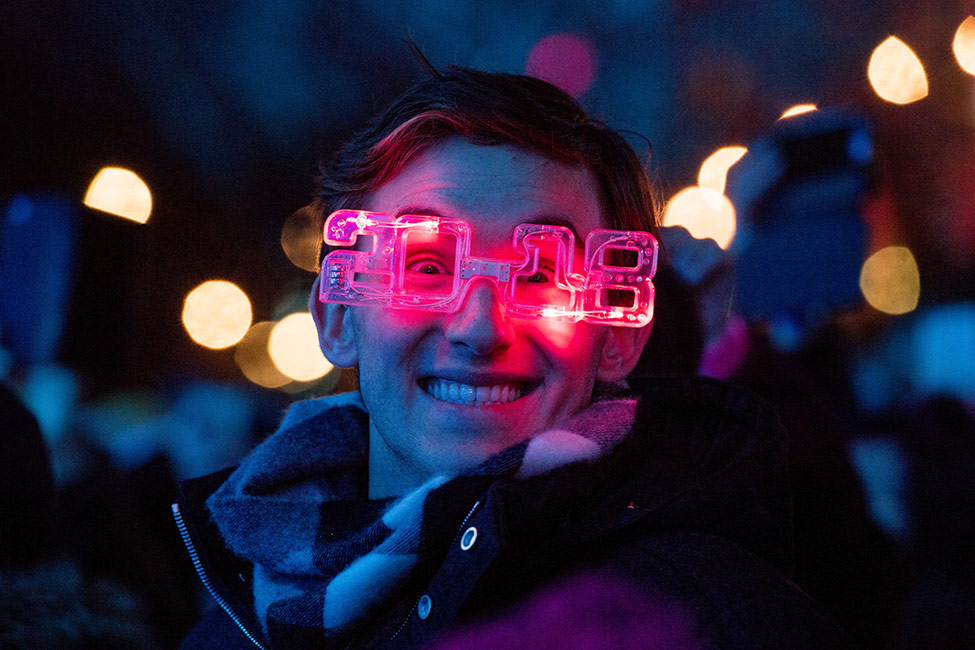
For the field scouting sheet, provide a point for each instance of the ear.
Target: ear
(621, 351)
(336, 335)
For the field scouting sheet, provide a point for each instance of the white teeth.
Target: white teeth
(451, 391)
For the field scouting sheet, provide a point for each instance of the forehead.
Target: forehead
(494, 188)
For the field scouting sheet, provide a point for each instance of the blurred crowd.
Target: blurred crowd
(89, 554)
(880, 412)
(884, 499)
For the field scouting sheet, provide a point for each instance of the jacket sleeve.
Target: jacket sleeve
(732, 598)
(667, 591)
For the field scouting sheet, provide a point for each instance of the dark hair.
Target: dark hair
(489, 108)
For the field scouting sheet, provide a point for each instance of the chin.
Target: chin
(464, 456)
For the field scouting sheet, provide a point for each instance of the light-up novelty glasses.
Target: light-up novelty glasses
(421, 262)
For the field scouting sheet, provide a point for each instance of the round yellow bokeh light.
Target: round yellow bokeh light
(890, 280)
(252, 357)
(120, 192)
(704, 212)
(217, 314)
(963, 45)
(714, 170)
(798, 109)
(293, 346)
(896, 73)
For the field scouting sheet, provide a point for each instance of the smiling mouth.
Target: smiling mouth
(458, 393)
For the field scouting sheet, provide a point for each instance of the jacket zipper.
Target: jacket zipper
(456, 537)
(198, 565)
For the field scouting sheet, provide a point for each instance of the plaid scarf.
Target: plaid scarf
(325, 557)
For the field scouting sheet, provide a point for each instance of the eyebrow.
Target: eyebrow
(542, 219)
(418, 210)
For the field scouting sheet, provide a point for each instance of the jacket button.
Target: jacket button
(423, 607)
(468, 539)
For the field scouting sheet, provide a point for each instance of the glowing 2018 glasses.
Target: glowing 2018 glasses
(424, 263)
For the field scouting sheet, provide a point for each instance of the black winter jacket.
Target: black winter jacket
(694, 506)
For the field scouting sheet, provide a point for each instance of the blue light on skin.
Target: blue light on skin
(401, 354)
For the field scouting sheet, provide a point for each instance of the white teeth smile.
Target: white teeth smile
(457, 393)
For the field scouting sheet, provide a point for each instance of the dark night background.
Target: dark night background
(225, 108)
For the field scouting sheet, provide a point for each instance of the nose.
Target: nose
(481, 323)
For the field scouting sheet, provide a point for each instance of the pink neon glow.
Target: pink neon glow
(568, 61)
(385, 275)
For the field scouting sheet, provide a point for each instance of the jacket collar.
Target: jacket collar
(704, 456)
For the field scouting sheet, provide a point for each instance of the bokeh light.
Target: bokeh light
(693, 208)
(120, 192)
(964, 45)
(293, 346)
(714, 171)
(252, 357)
(565, 60)
(896, 73)
(217, 314)
(798, 109)
(300, 239)
(890, 280)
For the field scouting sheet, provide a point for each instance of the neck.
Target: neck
(390, 475)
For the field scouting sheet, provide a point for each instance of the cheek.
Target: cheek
(382, 324)
(574, 346)
(387, 337)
